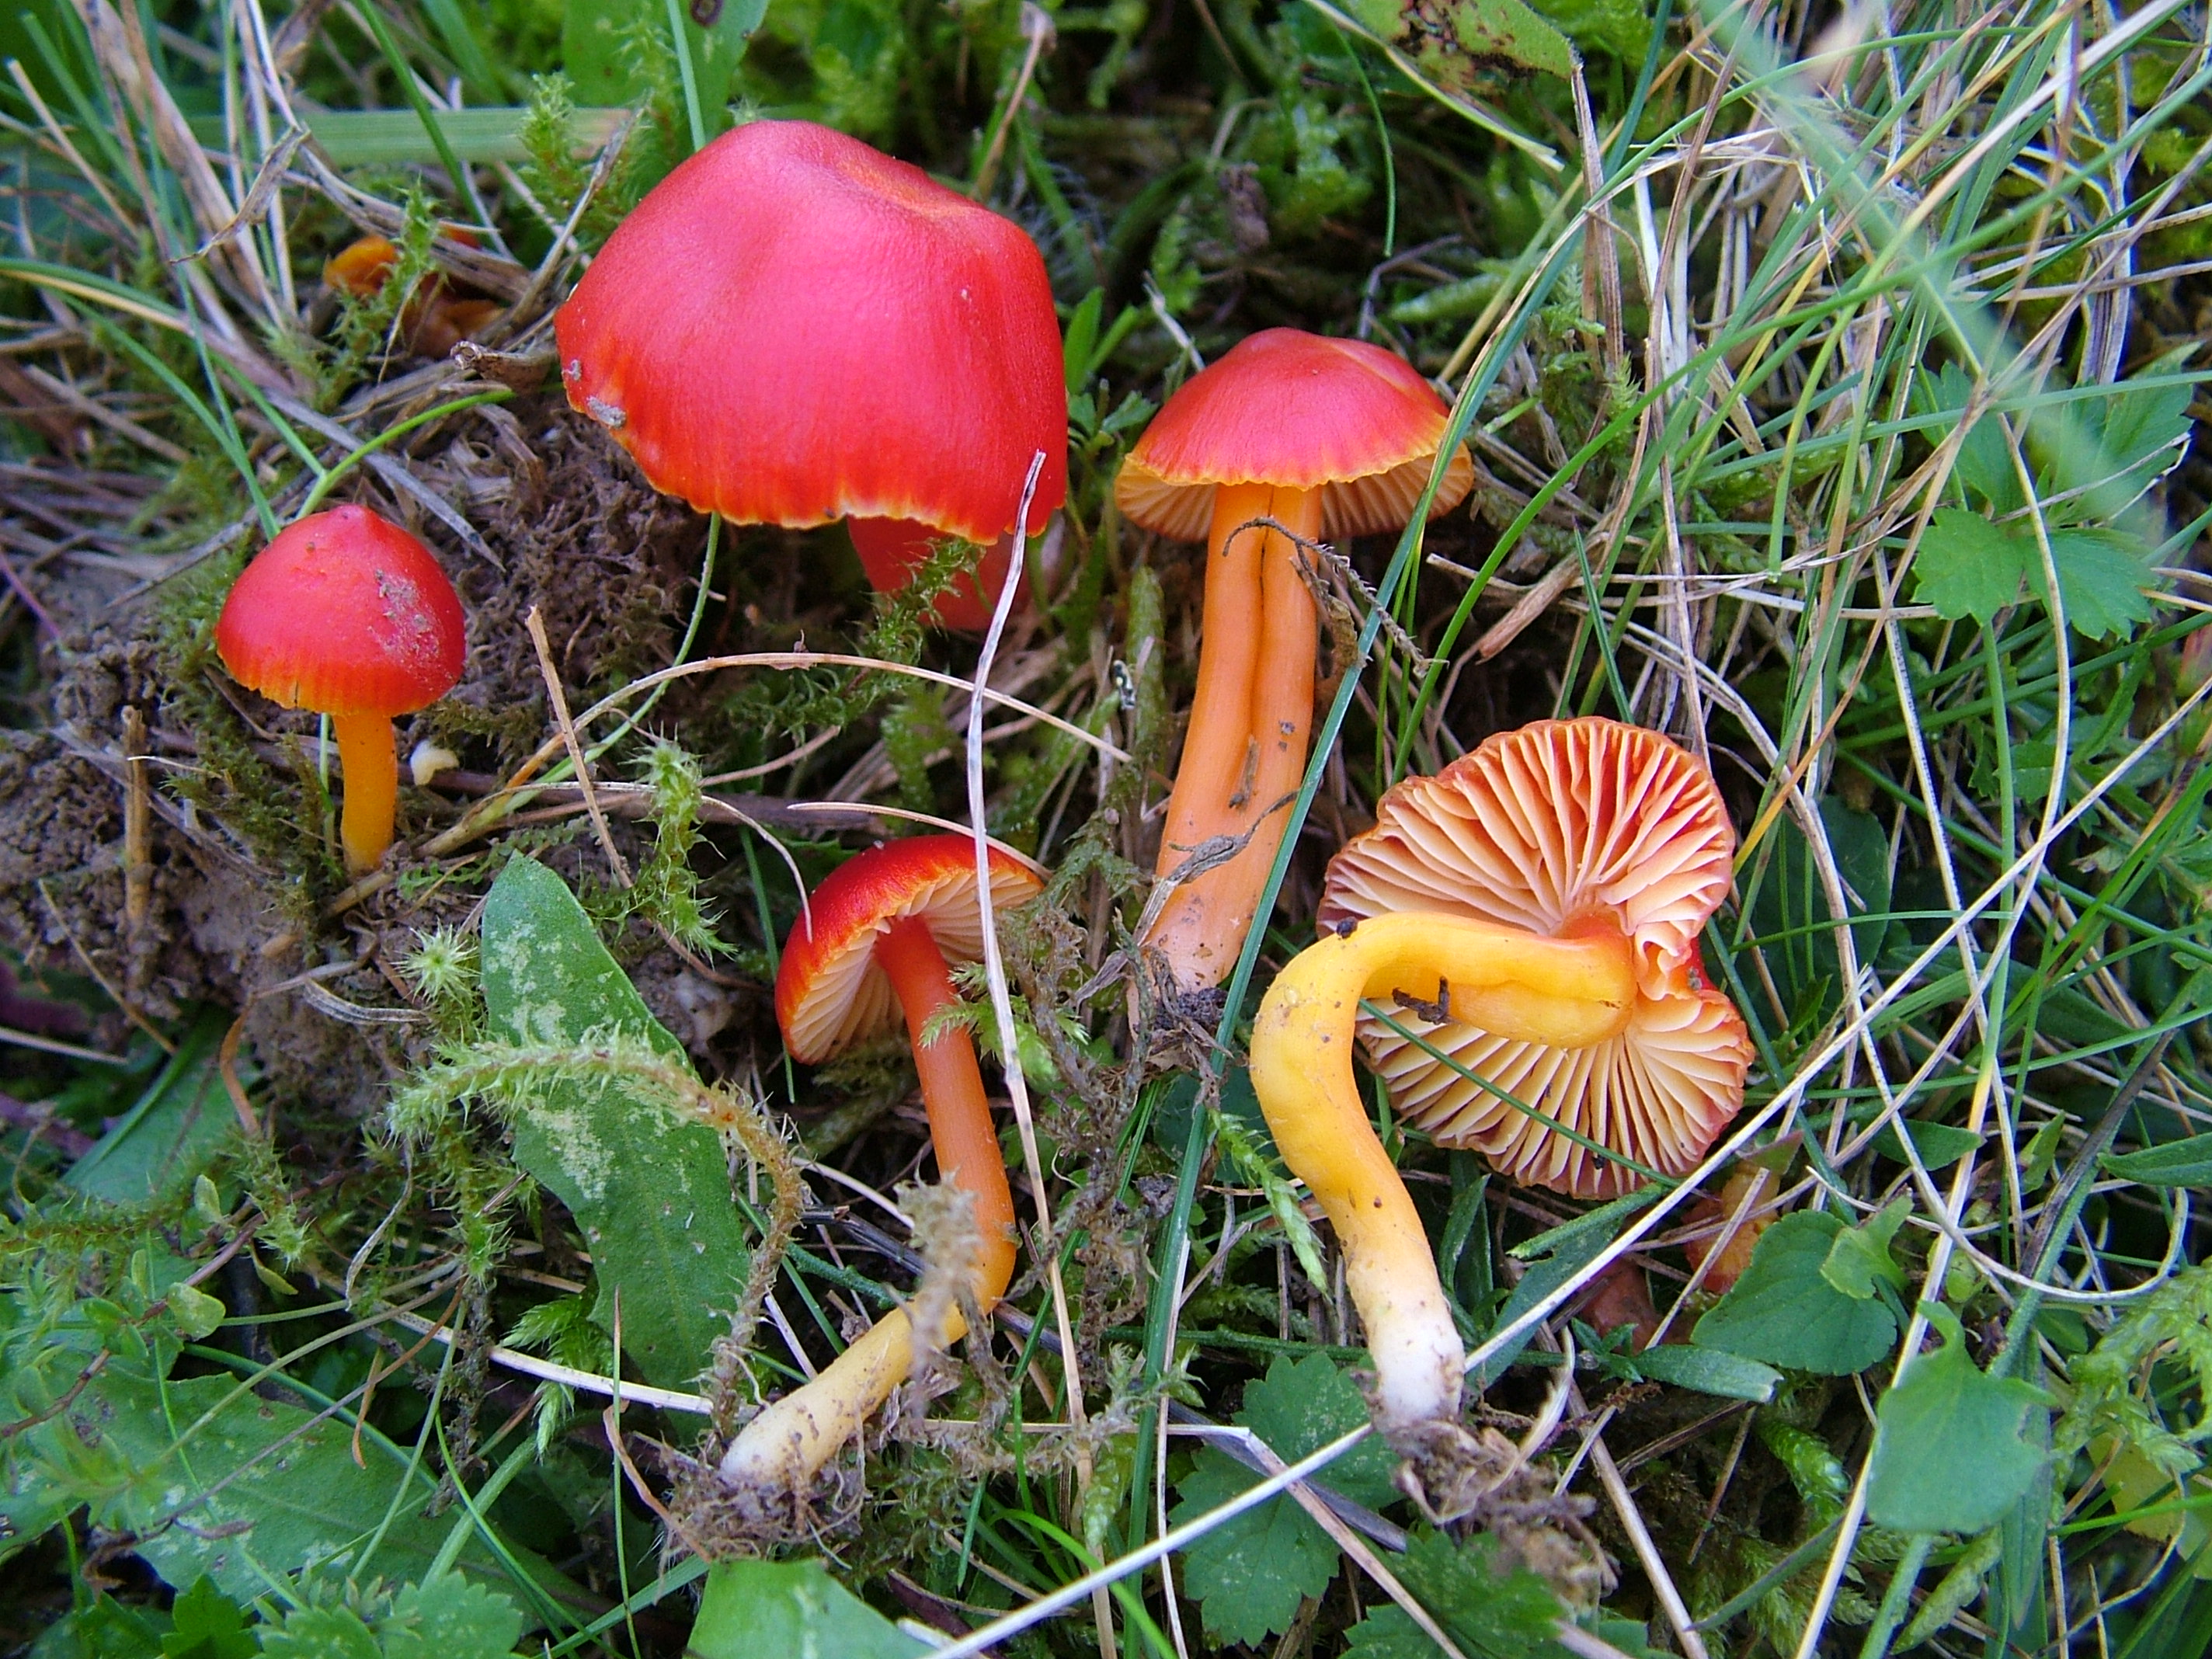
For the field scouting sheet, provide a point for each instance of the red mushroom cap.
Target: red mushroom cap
(1562, 828)
(829, 992)
(793, 328)
(344, 613)
(1291, 408)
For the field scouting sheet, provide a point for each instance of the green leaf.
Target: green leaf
(320, 1633)
(650, 1190)
(2101, 575)
(449, 1618)
(107, 1628)
(1708, 1370)
(1940, 1145)
(1488, 1603)
(1859, 1259)
(2118, 444)
(1509, 30)
(208, 1625)
(1953, 1450)
(1451, 43)
(1618, 27)
(215, 1481)
(175, 1130)
(598, 37)
(1966, 567)
(1784, 1312)
(2176, 1163)
(1251, 1572)
(754, 1609)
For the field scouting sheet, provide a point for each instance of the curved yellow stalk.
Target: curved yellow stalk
(1566, 992)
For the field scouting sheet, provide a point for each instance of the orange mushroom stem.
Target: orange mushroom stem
(1317, 438)
(961, 1133)
(1246, 749)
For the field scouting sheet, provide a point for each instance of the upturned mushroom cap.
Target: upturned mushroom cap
(829, 992)
(793, 328)
(1288, 408)
(344, 613)
(1563, 827)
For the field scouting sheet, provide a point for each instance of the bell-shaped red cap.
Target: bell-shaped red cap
(793, 328)
(1288, 408)
(344, 613)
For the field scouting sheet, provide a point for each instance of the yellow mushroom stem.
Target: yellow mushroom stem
(368, 757)
(1245, 746)
(780, 1451)
(1566, 993)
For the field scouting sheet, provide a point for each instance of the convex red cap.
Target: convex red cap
(793, 328)
(1295, 409)
(344, 613)
(1563, 827)
(829, 992)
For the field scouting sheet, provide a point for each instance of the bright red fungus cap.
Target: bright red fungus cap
(829, 992)
(1297, 409)
(1563, 828)
(344, 613)
(793, 328)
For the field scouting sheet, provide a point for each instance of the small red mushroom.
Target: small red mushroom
(1325, 437)
(793, 328)
(875, 943)
(347, 614)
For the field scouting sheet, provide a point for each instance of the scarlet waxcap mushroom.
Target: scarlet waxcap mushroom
(1563, 828)
(793, 328)
(1325, 437)
(347, 614)
(875, 943)
(1537, 904)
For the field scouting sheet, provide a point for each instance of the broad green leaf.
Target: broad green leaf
(1251, 1572)
(1859, 1259)
(601, 38)
(751, 1609)
(2117, 444)
(2101, 576)
(1966, 567)
(208, 1625)
(1451, 43)
(1708, 1370)
(1953, 1449)
(1509, 30)
(1784, 1312)
(177, 1128)
(2176, 1163)
(1488, 1603)
(650, 1190)
(1619, 26)
(1940, 1145)
(320, 1633)
(1985, 463)
(107, 1628)
(449, 1618)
